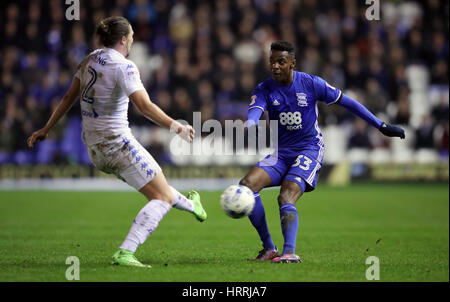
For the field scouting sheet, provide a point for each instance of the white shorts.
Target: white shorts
(119, 153)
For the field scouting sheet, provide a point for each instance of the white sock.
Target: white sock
(181, 202)
(145, 223)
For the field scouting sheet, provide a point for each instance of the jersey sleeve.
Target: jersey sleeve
(325, 92)
(258, 99)
(129, 79)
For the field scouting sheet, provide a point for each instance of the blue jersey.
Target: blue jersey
(294, 107)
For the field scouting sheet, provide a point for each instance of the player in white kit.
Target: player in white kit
(105, 81)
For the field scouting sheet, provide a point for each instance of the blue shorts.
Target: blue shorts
(298, 167)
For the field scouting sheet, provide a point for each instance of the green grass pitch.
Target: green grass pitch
(405, 225)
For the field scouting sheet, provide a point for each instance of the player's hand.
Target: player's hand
(392, 131)
(37, 136)
(186, 132)
(249, 123)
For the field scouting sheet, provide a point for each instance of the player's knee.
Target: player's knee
(285, 198)
(289, 195)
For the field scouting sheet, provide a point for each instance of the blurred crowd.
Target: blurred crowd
(208, 56)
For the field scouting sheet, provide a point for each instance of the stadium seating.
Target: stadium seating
(219, 60)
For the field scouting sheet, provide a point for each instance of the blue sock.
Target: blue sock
(258, 220)
(289, 226)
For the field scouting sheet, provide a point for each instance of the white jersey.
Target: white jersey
(107, 79)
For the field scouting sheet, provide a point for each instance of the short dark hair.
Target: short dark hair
(112, 29)
(283, 46)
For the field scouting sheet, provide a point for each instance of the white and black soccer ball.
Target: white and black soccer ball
(237, 201)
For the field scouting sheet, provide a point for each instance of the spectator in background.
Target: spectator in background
(439, 49)
(143, 13)
(417, 53)
(354, 74)
(31, 105)
(443, 142)
(399, 82)
(182, 105)
(224, 38)
(7, 80)
(7, 140)
(247, 82)
(359, 137)
(77, 47)
(162, 75)
(424, 134)
(31, 71)
(181, 27)
(376, 99)
(11, 34)
(181, 67)
(440, 112)
(439, 73)
(205, 92)
(403, 112)
(164, 101)
(33, 40)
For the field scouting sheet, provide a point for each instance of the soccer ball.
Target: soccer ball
(237, 201)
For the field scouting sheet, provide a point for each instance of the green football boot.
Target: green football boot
(127, 258)
(199, 212)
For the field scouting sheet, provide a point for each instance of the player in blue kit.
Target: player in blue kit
(290, 98)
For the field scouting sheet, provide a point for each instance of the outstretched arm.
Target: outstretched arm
(150, 110)
(361, 111)
(253, 116)
(331, 95)
(66, 103)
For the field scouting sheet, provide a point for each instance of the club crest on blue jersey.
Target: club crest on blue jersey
(253, 100)
(302, 100)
